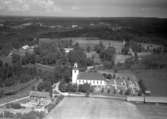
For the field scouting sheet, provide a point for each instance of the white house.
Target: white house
(92, 78)
(68, 50)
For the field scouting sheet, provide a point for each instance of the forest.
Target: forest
(14, 35)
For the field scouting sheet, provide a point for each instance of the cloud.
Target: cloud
(33, 6)
(75, 8)
(84, 7)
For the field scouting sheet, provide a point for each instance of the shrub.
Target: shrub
(63, 87)
(32, 115)
(7, 114)
(14, 105)
(51, 106)
(1, 93)
(72, 88)
(85, 88)
(44, 86)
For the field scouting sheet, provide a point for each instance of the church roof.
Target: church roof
(90, 76)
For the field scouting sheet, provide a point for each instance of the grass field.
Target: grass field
(84, 42)
(154, 80)
(94, 108)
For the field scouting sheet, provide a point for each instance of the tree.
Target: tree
(88, 49)
(1, 63)
(108, 64)
(85, 88)
(16, 59)
(1, 93)
(72, 88)
(108, 54)
(78, 55)
(99, 47)
(9, 82)
(63, 87)
(44, 86)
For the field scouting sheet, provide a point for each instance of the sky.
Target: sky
(85, 8)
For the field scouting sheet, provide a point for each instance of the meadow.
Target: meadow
(84, 42)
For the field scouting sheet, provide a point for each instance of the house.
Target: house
(40, 98)
(68, 50)
(92, 78)
(25, 47)
(23, 50)
(74, 26)
(119, 58)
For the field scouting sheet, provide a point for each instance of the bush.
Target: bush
(31, 115)
(63, 87)
(72, 88)
(7, 114)
(44, 86)
(85, 88)
(14, 106)
(51, 106)
(9, 82)
(1, 93)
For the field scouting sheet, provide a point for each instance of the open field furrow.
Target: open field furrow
(94, 108)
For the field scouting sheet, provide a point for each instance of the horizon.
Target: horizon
(84, 17)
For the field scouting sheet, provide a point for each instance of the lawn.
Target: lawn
(94, 108)
(154, 80)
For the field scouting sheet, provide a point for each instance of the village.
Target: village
(88, 71)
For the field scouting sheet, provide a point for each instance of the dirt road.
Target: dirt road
(94, 108)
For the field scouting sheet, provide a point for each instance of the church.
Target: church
(92, 78)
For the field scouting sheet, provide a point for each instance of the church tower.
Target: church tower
(75, 73)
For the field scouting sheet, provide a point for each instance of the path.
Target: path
(16, 100)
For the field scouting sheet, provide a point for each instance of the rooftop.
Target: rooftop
(90, 76)
(40, 94)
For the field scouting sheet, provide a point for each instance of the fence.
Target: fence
(147, 99)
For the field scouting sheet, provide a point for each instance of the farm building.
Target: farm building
(39, 98)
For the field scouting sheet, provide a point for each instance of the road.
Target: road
(16, 100)
(94, 108)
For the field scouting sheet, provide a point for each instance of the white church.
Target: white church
(92, 78)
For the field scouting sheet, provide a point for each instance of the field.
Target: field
(94, 108)
(154, 80)
(84, 42)
(152, 111)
